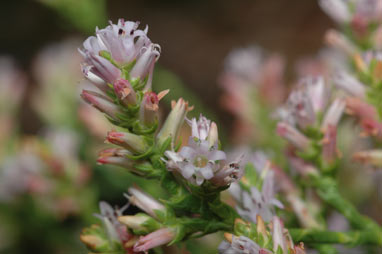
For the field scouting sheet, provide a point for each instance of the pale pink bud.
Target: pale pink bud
(128, 140)
(349, 83)
(94, 79)
(150, 106)
(213, 136)
(115, 156)
(144, 201)
(334, 113)
(125, 92)
(291, 134)
(102, 103)
(174, 121)
(102, 67)
(154, 239)
(337, 40)
(361, 109)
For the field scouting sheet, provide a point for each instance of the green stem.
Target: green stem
(328, 237)
(327, 189)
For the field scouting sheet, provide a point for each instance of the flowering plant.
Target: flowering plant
(119, 61)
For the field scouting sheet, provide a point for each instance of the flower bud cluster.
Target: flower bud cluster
(255, 192)
(309, 121)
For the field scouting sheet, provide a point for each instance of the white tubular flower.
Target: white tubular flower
(144, 201)
(294, 136)
(279, 240)
(241, 245)
(333, 114)
(101, 67)
(145, 62)
(318, 92)
(338, 10)
(349, 83)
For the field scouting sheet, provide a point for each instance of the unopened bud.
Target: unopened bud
(144, 201)
(295, 137)
(102, 67)
(94, 79)
(213, 136)
(102, 103)
(132, 142)
(338, 40)
(349, 83)
(150, 106)
(174, 121)
(141, 223)
(125, 92)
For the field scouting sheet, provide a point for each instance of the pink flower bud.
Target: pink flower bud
(149, 107)
(338, 40)
(125, 92)
(154, 239)
(132, 142)
(102, 103)
(291, 134)
(115, 156)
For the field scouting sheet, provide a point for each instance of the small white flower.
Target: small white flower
(257, 202)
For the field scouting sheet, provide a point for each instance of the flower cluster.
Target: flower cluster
(119, 61)
(308, 123)
(201, 160)
(255, 192)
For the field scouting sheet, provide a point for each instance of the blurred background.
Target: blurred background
(50, 184)
(195, 36)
